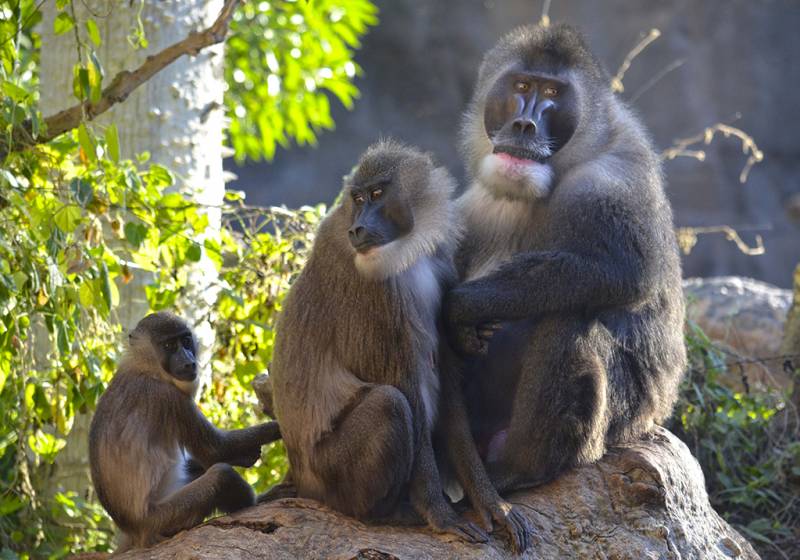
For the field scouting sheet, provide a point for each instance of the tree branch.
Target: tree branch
(122, 85)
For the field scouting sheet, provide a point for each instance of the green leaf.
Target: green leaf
(15, 92)
(95, 78)
(93, 31)
(135, 233)
(159, 176)
(194, 252)
(112, 143)
(86, 142)
(105, 287)
(9, 503)
(45, 445)
(63, 23)
(68, 218)
(86, 294)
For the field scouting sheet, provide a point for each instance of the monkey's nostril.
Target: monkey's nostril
(356, 233)
(524, 126)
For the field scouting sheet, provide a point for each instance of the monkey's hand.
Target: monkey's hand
(472, 340)
(467, 338)
(507, 518)
(246, 457)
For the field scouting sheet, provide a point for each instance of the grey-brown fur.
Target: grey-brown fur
(584, 280)
(355, 380)
(157, 464)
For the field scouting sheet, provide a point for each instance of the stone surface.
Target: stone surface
(746, 317)
(643, 500)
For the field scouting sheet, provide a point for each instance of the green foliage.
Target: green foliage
(77, 223)
(263, 250)
(747, 445)
(282, 58)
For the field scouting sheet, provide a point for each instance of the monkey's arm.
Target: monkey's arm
(208, 444)
(602, 258)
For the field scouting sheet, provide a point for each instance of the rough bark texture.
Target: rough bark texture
(747, 318)
(643, 500)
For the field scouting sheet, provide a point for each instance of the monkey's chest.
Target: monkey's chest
(423, 292)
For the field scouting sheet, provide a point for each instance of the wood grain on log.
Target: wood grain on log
(644, 500)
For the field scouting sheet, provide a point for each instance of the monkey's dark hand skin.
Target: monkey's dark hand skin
(569, 244)
(244, 449)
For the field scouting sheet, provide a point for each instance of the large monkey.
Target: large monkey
(571, 307)
(354, 373)
(158, 465)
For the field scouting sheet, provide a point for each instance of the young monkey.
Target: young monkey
(158, 465)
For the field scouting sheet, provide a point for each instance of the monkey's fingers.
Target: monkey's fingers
(517, 527)
(465, 530)
(490, 328)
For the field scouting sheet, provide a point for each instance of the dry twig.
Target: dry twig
(681, 148)
(616, 81)
(687, 239)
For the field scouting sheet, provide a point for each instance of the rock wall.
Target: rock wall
(736, 56)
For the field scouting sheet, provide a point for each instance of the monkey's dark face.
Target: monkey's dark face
(528, 116)
(177, 352)
(381, 214)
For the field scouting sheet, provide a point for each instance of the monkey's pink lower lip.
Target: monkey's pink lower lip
(508, 158)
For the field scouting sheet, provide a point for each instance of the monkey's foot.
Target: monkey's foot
(461, 528)
(510, 520)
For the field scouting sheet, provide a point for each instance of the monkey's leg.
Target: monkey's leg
(464, 459)
(559, 415)
(427, 496)
(219, 487)
(365, 461)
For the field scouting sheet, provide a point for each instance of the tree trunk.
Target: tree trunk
(642, 500)
(177, 117)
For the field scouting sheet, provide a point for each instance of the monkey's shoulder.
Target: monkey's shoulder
(140, 400)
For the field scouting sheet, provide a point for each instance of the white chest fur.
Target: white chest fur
(495, 225)
(423, 286)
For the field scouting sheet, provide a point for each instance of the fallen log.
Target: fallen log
(643, 500)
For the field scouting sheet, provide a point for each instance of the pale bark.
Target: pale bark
(643, 500)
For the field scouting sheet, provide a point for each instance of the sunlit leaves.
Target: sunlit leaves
(63, 23)
(283, 62)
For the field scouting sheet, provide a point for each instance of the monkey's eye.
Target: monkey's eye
(522, 87)
(550, 91)
(187, 342)
(358, 198)
(376, 194)
(170, 346)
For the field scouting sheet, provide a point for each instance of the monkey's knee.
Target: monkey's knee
(367, 460)
(232, 491)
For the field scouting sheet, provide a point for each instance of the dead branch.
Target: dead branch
(122, 85)
(682, 147)
(616, 81)
(687, 239)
